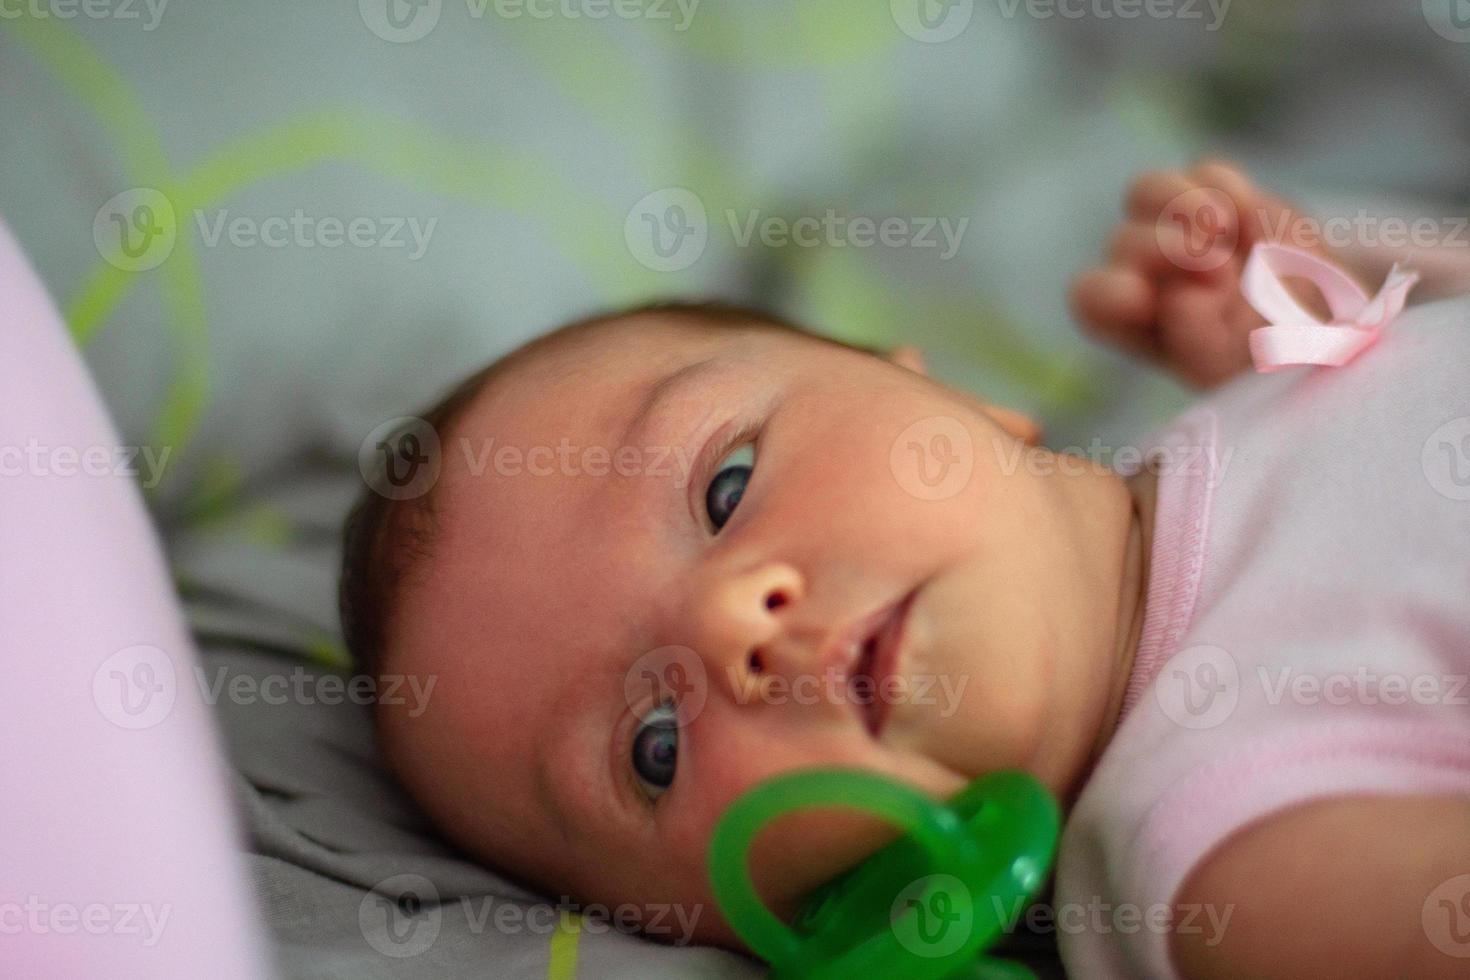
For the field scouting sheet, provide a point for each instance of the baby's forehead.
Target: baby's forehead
(588, 403)
(527, 442)
(559, 424)
(578, 385)
(593, 375)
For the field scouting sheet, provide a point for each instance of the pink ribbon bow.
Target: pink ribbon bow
(1293, 334)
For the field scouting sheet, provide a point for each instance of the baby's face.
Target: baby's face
(782, 517)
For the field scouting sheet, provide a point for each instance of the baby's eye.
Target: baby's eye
(726, 489)
(656, 749)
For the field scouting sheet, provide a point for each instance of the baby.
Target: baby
(673, 552)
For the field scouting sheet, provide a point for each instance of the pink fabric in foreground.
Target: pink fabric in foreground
(118, 856)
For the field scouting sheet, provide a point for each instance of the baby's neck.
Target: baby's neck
(1132, 599)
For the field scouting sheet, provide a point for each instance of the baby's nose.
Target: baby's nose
(740, 619)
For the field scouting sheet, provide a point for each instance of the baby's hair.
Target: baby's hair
(385, 539)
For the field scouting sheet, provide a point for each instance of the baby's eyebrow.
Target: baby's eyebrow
(659, 394)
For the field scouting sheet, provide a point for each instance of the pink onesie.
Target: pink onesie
(1306, 635)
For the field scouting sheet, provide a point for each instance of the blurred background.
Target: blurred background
(273, 226)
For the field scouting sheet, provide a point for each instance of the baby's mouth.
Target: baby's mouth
(877, 660)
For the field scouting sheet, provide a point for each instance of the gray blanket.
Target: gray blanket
(353, 883)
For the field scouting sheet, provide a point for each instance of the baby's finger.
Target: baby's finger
(1151, 193)
(1194, 335)
(1164, 249)
(1118, 306)
(1135, 245)
(1199, 230)
(1260, 217)
(1224, 176)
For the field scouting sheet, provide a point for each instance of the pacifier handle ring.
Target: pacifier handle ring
(934, 826)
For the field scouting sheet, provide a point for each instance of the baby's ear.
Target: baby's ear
(1016, 424)
(908, 357)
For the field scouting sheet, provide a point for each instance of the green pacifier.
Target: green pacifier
(925, 906)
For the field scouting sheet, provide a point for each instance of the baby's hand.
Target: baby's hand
(1171, 287)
